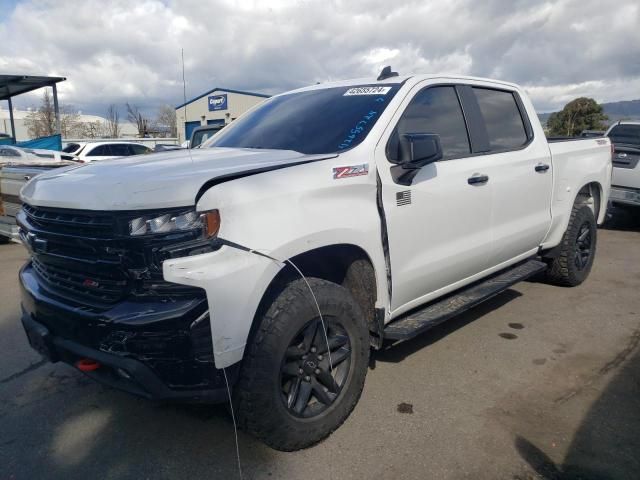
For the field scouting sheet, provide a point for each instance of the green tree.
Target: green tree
(580, 114)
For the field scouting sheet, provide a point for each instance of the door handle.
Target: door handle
(478, 179)
(542, 167)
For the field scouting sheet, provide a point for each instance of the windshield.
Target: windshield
(201, 136)
(629, 134)
(71, 147)
(326, 120)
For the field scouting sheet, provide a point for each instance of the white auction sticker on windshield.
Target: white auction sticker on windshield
(367, 91)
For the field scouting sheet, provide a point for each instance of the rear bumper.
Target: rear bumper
(154, 349)
(625, 196)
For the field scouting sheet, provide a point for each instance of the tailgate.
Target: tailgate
(12, 179)
(626, 168)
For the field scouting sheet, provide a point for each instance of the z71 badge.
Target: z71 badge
(350, 171)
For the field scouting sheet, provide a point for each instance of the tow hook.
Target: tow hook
(87, 365)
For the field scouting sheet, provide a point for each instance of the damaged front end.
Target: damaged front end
(94, 290)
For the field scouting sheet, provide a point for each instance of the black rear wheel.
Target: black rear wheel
(572, 265)
(303, 374)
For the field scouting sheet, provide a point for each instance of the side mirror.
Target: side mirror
(419, 149)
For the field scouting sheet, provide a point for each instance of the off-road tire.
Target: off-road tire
(563, 269)
(258, 394)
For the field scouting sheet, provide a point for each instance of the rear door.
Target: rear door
(120, 150)
(439, 226)
(520, 170)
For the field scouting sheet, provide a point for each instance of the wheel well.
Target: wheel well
(591, 195)
(346, 265)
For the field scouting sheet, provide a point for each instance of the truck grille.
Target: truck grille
(83, 257)
(70, 221)
(78, 285)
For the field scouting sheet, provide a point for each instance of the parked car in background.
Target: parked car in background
(73, 147)
(592, 133)
(202, 134)
(11, 154)
(272, 257)
(625, 182)
(91, 151)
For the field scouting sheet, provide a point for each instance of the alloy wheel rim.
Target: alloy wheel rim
(312, 376)
(582, 251)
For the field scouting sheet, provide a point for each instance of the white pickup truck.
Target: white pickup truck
(625, 182)
(318, 225)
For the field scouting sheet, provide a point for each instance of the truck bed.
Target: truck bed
(12, 179)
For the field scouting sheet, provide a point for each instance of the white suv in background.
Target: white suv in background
(625, 181)
(91, 151)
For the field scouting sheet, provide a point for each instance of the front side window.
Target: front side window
(502, 119)
(625, 134)
(326, 120)
(139, 149)
(99, 151)
(434, 110)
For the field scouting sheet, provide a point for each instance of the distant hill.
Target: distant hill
(625, 110)
(630, 108)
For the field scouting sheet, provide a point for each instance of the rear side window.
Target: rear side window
(434, 110)
(120, 150)
(502, 118)
(99, 151)
(625, 133)
(8, 152)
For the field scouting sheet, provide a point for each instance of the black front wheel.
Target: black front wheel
(577, 250)
(303, 373)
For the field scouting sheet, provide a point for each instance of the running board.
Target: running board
(418, 321)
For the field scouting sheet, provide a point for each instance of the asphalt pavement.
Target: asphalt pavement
(539, 382)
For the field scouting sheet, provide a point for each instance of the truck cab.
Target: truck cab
(268, 262)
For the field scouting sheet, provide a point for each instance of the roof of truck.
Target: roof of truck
(626, 122)
(398, 80)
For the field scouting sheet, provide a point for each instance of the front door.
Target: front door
(439, 226)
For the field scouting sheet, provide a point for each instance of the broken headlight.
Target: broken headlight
(208, 222)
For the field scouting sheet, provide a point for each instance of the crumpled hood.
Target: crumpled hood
(158, 180)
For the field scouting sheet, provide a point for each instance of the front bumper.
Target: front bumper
(157, 349)
(625, 196)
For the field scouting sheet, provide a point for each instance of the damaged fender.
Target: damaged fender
(234, 281)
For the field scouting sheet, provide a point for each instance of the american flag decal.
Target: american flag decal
(350, 171)
(403, 198)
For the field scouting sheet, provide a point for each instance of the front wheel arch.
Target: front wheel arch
(343, 264)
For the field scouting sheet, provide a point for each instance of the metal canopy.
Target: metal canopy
(12, 85)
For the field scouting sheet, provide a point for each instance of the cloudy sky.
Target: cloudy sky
(118, 51)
